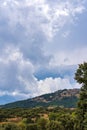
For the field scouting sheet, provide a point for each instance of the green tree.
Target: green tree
(66, 121)
(85, 121)
(54, 125)
(27, 120)
(81, 77)
(53, 116)
(42, 124)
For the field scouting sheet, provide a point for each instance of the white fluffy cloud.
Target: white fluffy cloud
(49, 85)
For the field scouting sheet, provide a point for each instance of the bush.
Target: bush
(10, 126)
(42, 124)
(31, 127)
(54, 125)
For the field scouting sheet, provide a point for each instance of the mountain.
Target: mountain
(65, 98)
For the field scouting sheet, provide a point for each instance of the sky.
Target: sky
(41, 44)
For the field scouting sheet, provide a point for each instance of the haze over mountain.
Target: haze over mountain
(41, 44)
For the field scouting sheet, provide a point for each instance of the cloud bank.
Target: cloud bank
(41, 43)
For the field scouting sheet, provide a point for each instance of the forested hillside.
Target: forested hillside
(66, 98)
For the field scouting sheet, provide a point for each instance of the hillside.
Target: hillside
(65, 98)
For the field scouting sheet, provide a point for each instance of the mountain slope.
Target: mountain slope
(66, 98)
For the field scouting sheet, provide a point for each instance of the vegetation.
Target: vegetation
(81, 77)
(50, 118)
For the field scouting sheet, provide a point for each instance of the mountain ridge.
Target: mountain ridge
(65, 98)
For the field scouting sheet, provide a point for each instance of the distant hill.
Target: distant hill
(65, 98)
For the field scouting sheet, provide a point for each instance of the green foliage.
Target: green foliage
(9, 126)
(54, 125)
(42, 124)
(58, 119)
(27, 120)
(81, 74)
(31, 127)
(85, 121)
(81, 77)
